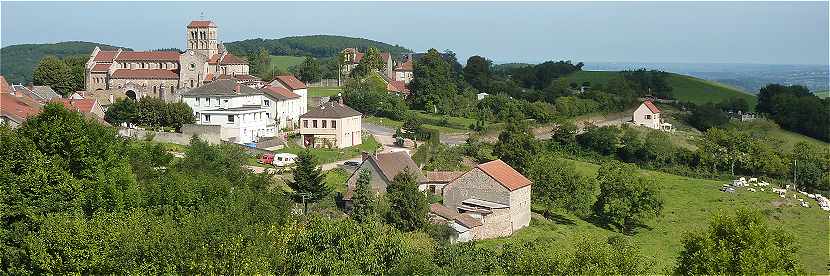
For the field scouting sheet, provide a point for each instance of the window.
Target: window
(305, 123)
(314, 123)
(324, 123)
(207, 118)
(216, 103)
(268, 114)
(208, 101)
(333, 124)
(230, 119)
(648, 116)
(267, 103)
(191, 83)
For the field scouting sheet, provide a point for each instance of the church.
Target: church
(162, 74)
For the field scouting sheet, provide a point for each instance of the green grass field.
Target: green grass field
(284, 62)
(324, 91)
(397, 124)
(331, 155)
(685, 88)
(822, 94)
(689, 203)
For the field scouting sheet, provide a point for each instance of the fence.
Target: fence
(324, 83)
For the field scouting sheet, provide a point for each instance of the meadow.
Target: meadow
(688, 205)
(285, 62)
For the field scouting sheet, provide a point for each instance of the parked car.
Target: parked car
(266, 159)
(284, 159)
(351, 163)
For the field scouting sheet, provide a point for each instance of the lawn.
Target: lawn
(324, 91)
(284, 62)
(684, 88)
(822, 94)
(689, 203)
(393, 124)
(331, 155)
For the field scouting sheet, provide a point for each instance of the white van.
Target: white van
(284, 159)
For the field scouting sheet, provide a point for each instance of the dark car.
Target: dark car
(351, 163)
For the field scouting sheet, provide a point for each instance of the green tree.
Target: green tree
(433, 87)
(54, 72)
(811, 167)
(740, 244)
(122, 111)
(556, 184)
(600, 139)
(309, 70)
(564, 133)
(363, 203)
(625, 200)
(178, 114)
(707, 116)
(408, 207)
(77, 70)
(477, 72)
(308, 178)
(516, 146)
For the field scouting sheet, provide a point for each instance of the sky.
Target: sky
(686, 32)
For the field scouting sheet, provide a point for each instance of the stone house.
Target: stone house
(435, 181)
(383, 167)
(332, 125)
(648, 115)
(464, 226)
(494, 194)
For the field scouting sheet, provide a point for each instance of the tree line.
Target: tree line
(149, 112)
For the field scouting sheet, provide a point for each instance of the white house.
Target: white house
(238, 109)
(404, 71)
(648, 115)
(284, 107)
(295, 86)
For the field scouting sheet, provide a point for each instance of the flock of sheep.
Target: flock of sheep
(823, 202)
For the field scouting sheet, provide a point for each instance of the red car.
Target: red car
(266, 159)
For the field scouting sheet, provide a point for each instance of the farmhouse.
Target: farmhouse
(352, 58)
(332, 125)
(383, 167)
(237, 109)
(436, 181)
(495, 195)
(648, 115)
(403, 72)
(161, 73)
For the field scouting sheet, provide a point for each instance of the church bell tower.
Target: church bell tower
(202, 37)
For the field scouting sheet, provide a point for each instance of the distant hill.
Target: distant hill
(684, 88)
(18, 61)
(319, 46)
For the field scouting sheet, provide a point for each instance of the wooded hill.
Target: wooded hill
(319, 46)
(18, 61)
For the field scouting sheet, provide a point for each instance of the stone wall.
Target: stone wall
(520, 208)
(206, 134)
(494, 225)
(474, 184)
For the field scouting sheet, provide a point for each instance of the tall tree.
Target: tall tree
(263, 63)
(740, 244)
(433, 86)
(309, 70)
(363, 203)
(516, 146)
(625, 200)
(309, 180)
(54, 72)
(557, 185)
(408, 207)
(477, 72)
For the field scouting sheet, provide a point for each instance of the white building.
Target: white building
(648, 115)
(404, 71)
(332, 125)
(295, 86)
(283, 106)
(237, 109)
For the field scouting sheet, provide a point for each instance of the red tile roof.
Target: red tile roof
(357, 57)
(214, 59)
(103, 67)
(4, 86)
(17, 108)
(201, 24)
(652, 107)
(398, 87)
(104, 56)
(84, 105)
(291, 82)
(144, 74)
(385, 57)
(406, 66)
(154, 56)
(231, 59)
(442, 177)
(279, 92)
(504, 174)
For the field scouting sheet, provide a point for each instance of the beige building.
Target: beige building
(493, 194)
(332, 125)
(162, 74)
(383, 167)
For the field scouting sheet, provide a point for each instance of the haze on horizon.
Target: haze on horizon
(646, 32)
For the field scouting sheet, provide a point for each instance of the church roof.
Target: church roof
(103, 67)
(231, 59)
(104, 56)
(201, 24)
(144, 74)
(153, 56)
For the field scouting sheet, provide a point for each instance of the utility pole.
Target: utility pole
(795, 173)
(304, 196)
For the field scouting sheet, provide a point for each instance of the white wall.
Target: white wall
(640, 117)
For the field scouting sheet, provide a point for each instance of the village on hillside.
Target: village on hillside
(510, 161)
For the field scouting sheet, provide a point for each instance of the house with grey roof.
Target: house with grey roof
(383, 168)
(237, 109)
(332, 125)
